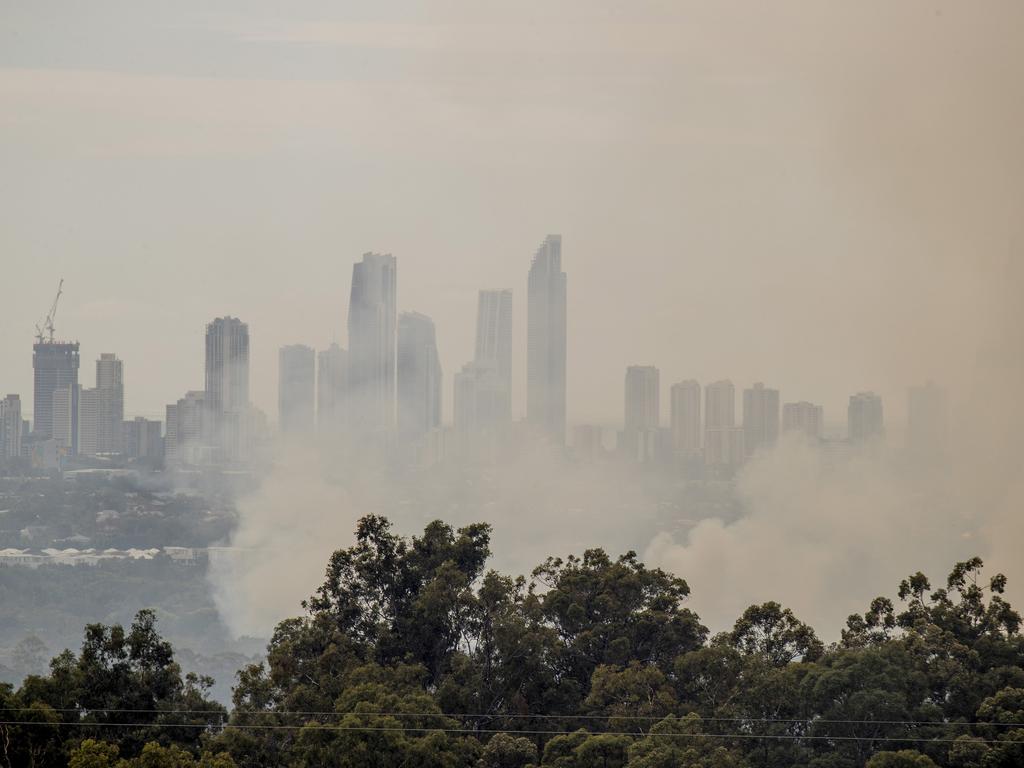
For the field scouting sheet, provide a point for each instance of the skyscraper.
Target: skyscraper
(110, 386)
(419, 376)
(64, 417)
(685, 406)
(331, 383)
(371, 339)
(760, 418)
(227, 385)
(803, 417)
(296, 389)
(546, 340)
(864, 417)
(494, 339)
(89, 410)
(479, 396)
(55, 366)
(642, 411)
(723, 440)
(187, 430)
(10, 427)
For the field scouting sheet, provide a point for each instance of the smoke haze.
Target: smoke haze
(825, 197)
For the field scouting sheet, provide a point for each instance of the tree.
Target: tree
(681, 742)
(905, 758)
(507, 751)
(776, 634)
(93, 754)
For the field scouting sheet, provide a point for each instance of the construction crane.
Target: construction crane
(47, 324)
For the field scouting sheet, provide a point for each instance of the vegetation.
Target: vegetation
(411, 653)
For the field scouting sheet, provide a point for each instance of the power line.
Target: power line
(495, 731)
(512, 716)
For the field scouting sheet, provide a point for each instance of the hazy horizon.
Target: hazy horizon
(825, 199)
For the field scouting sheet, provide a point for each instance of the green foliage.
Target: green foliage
(412, 655)
(507, 751)
(905, 758)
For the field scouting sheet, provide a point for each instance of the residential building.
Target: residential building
(760, 418)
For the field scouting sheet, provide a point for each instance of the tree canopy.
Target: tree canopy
(412, 653)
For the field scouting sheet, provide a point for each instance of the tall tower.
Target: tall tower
(864, 417)
(642, 411)
(494, 341)
(331, 384)
(643, 404)
(419, 376)
(685, 405)
(227, 384)
(760, 418)
(55, 366)
(10, 427)
(110, 388)
(546, 340)
(371, 338)
(296, 389)
(723, 440)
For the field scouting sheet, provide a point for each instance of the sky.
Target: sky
(824, 196)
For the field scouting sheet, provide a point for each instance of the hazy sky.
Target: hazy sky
(820, 195)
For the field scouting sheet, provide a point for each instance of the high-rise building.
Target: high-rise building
(296, 389)
(188, 429)
(90, 408)
(546, 340)
(803, 417)
(720, 405)
(685, 405)
(864, 417)
(419, 376)
(10, 427)
(331, 384)
(479, 397)
(64, 417)
(760, 418)
(372, 341)
(110, 385)
(642, 398)
(55, 366)
(723, 440)
(141, 438)
(227, 386)
(642, 411)
(927, 420)
(494, 338)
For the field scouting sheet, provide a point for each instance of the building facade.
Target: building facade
(227, 386)
(419, 376)
(865, 418)
(685, 417)
(546, 341)
(372, 317)
(331, 387)
(760, 418)
(55, 366)
(10, 427)
(494, 339)
(110, 385)
(803, 417)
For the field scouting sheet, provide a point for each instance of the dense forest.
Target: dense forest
(413, 654)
